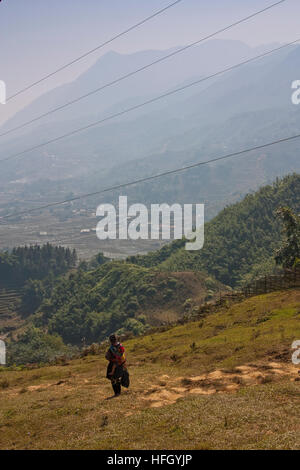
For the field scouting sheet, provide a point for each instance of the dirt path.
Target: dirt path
(168, 390)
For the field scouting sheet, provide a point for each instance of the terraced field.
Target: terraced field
(10, 299)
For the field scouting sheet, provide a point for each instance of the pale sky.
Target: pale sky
(38, 36)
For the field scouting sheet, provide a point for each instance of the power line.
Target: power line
(145, 103)
(141, 69)
(91, 51)
(153, 177)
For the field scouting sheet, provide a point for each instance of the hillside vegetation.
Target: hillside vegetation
(26, 274)
(34, 262)
(86, 307)
(223, 382)
(239, 242)
(87, 304)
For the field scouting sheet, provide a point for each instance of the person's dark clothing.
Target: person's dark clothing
(116, 388)
(117, 360)
(117, 374)
(120, 377)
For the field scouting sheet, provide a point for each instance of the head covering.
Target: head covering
(112, 338)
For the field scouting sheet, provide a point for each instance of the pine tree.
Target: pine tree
(289, 253)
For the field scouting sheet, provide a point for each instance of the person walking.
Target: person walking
(117, 370)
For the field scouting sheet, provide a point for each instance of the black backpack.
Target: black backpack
(125, 382)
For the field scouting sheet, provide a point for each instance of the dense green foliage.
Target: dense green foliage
(117, 296)
(155, 258)
(34, 262)
(91, 305)
(241, 239)
(32, 296)
(36, 346)
(289, 252)
(101, 297)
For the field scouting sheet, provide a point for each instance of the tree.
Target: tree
(33, 295)
(289, 253)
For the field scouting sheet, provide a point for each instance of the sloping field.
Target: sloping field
(225, 381)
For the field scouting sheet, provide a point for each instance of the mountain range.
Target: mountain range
(242, 108)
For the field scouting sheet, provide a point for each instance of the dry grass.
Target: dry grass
(230, 391)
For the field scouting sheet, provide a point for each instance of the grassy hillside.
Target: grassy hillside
(85, 307)
(120, 296)
(89, 303)
(239, 242)
(223, 382)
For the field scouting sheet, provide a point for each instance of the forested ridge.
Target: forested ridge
(64, 306)
(239, 242)
(34, 262)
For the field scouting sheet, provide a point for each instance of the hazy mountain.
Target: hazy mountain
(199, 60)
(245, 107)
